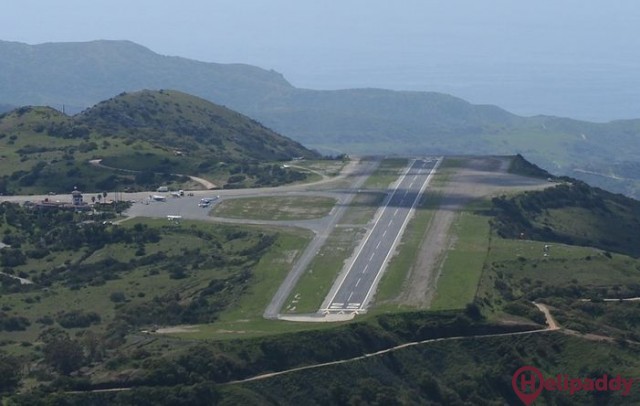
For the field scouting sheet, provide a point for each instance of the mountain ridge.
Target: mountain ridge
(364, 121)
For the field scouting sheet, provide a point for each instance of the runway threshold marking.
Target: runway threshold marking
(364, 243)
(426, 182)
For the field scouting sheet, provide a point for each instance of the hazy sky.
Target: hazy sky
(567, 57)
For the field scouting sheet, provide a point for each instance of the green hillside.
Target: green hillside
(572, 213)
(189, 124)
(151, 135)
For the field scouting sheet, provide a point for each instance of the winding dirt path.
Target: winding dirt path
(551, 322)
(23, 281)
(203, 182)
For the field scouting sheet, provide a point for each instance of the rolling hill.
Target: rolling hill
(181, 121)
(353, 120)
(149, 135)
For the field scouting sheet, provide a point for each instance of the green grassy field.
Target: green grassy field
(362, 208)
(388, 171)
(246, 328)
(462, 268)
(321, 168)
(565, 265)
(144, 282)
(522, 266)
(279, 208)
(269, 273)
(315, 283)
(394, 279)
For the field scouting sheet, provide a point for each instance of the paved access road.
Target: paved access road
(355, 287)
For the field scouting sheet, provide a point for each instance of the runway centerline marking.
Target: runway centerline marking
(424, 185)
(395, 197)
(369, 233)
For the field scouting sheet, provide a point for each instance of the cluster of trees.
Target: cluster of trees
(10, 373)
(174, 309)
(66, 129)
(37, 234)
(13, 323)
(200, 394)
(198, 366)
(61, 352)
(77, 319)
(57, 230)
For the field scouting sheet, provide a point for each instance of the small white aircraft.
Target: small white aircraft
(209, 199)
(206, 201)
(174, 218)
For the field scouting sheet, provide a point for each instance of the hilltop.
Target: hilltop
(148, 134)
(187, 123)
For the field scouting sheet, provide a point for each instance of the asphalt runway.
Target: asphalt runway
(355, 287)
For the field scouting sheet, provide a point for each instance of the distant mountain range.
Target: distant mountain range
(78, 75)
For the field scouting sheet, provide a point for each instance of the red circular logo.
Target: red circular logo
(527, 382)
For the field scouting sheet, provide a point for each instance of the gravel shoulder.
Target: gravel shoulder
(472, 178)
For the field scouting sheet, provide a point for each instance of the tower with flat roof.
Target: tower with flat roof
(76, 197)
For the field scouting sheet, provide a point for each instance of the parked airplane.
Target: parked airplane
(209, 199)
(206, 201)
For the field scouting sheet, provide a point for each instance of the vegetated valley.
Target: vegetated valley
(99, 290)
